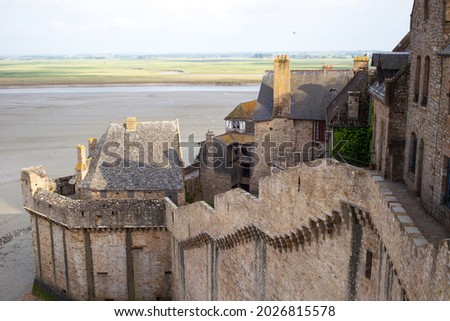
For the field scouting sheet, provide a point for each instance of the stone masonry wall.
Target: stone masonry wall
(443, 212)
(381, 116)
(428, 123)
(97, 250)
(389, 127)
(100, 265)
(213, 182)
(281, 130)
(325, 217)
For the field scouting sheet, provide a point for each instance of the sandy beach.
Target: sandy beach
(42, 126)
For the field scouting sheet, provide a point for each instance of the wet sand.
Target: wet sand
(43, 126)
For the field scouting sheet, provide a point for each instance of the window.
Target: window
(447, 184)
(426, 10)
(426, 81)
(235, 125)
(413, 155)
(103, 194)
(320, 129)
(130, 194)
(368, 271)
(417, 80)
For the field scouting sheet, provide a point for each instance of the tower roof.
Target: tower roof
(143, 159)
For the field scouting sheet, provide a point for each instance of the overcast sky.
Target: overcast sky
(182, 26)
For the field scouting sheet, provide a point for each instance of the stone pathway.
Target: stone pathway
(428, 226)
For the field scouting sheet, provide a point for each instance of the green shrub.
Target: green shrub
(352, 145)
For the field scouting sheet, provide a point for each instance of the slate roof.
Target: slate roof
(389, 64)
(235, 137)
(156, 169)
(445, 51)
(243, 111)
(390, 60)
(311, 90)
(378, 90)
(357, 83)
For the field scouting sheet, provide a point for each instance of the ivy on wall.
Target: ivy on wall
(354, 145)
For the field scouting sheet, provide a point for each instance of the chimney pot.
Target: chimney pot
(131, 124)
(361, 63)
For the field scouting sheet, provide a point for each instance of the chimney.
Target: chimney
(353, 105)
(92, 142)
(361, 63)
(282, 87)
(81, 168)
(209, 153)
(131, 124)
(210, 136)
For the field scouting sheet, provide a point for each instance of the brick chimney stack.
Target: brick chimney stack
(282, 87)
(361, 63)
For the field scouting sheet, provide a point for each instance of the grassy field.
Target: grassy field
(148, 71)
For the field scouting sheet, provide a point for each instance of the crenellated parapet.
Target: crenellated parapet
(44, 200)
(330, 207)
(315, 231)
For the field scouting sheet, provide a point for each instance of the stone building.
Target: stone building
(223, 160)
(290, 116)
(348, 117)
(390, 101)
(101, 235)
(350, 108)
(427, 165)
(285, 125)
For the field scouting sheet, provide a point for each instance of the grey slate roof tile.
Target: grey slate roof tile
(390, 60)
(357, 83)
(140, 168)
(311, 90)
(445, 51)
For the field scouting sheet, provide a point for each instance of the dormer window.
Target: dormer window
(235, 125)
